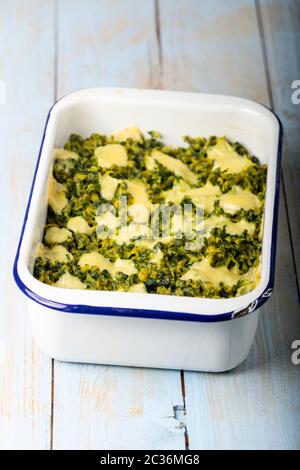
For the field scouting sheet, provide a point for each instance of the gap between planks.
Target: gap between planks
(158, 38)
(186, 432)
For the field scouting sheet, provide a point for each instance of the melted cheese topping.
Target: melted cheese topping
(204, 272)
(138, 231)
(124, 266)
(250, 280)
(233, 228)
(57, 235)
(108, 186)
(130, 132)
(178, 223)
(111, 154)
(144, 243)
(57, 198)
(138, 191)
(132, 231)
(149, 162)
(95, 259)
(56, 253)
(79, 225)
(175, 166)
(157, 257)
(108, 219)
(141, 206)
(62, 154)
(226, 158)
(99, 261)
(237, 199)
(67, 281)
(139, 213)
(177, 193)
(204, 196)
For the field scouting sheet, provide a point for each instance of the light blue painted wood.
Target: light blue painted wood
(27, 58)
(208, 46)
(98, 407)
(281, 34)
(215, 47)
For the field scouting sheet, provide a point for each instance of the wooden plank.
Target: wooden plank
(215, 47)
(208, 48)
(98, 407)
(107, 43)
(280, 28)
(26, 50)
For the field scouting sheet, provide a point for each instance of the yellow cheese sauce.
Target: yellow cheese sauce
(55, 235)
(175, 166)
(111, 154)
(108, 186)
(226, 158)
(128, 213)
(56, 195)
(62, 154)
(237, 199)
(67, 281)
(131, 132)
(79, 225)
(99, 261)
(56, 253)
(202, 270)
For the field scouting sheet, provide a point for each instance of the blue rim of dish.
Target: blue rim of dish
(156, 314)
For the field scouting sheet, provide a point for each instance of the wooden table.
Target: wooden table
(50, 48)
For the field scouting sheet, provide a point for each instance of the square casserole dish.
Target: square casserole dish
(137, 329)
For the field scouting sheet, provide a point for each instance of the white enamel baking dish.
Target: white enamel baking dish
(135, 329)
